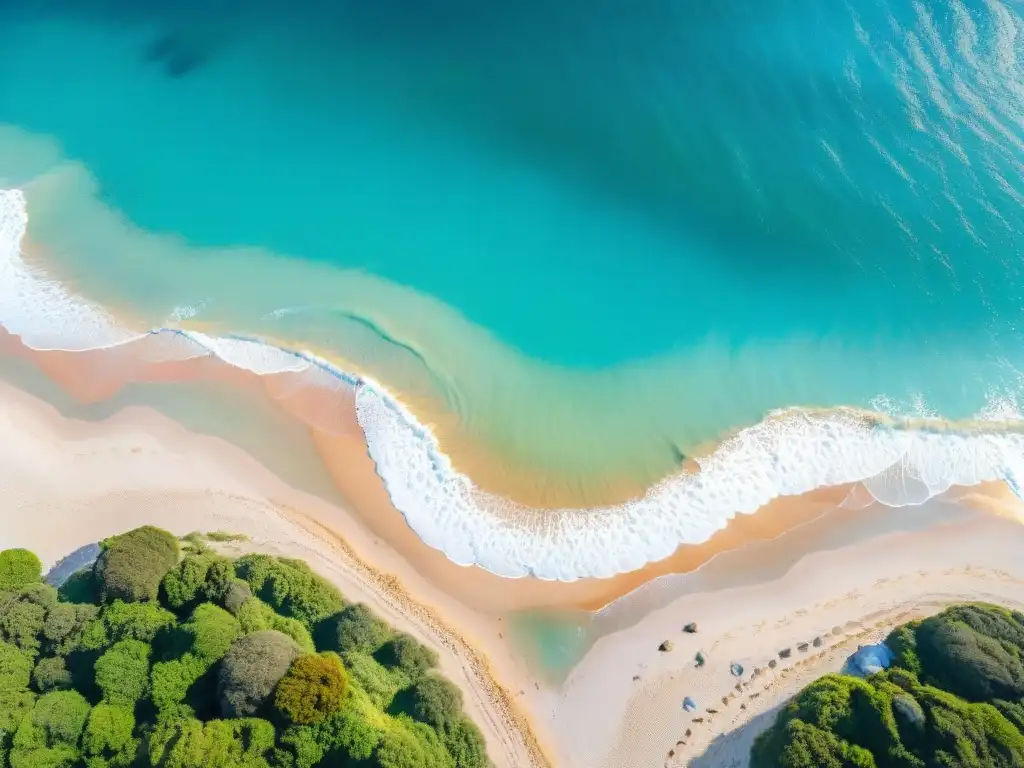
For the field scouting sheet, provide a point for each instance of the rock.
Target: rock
(736, 669)
(697, 720)
(743, 706)
(671, 753)
(837, 630)
(635, 678)
(711, 711)
(817, 642)
(689, 705)
(802, 647)
(699, 658)
(725, 700)
(678, 743)
(689, 733)
(785, 653)
(666, 646)
(691, 628)
(773, 664)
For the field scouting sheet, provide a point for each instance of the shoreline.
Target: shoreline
(787, 454)
(123, 462)
(138, 467)
(871, 587)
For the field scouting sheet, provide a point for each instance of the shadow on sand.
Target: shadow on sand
(732, 750)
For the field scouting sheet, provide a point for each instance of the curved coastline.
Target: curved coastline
(789, 453)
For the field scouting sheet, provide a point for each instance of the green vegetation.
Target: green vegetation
(18, 567)
(313, 688)
(162, 656)
(953, 698)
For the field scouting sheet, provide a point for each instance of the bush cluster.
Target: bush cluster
(172, 657)
(954, 696)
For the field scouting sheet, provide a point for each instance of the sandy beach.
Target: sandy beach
(827, 569)
(818, 614)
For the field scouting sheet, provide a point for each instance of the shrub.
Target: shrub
(18, 568)
(411, 745)
(131, 566)
(312, 689)
(242, 743)
(15, 670)
(64, 626)
(136, 621)
(197, 578)
(108, 736)
(435, 701)
(170, 680)
(80, 587)
(212, 630)
(379, 684)
(465, 744)
(51, 674)
(236, 595)
(406, 653)
(94, 637)
(122, 673)
(55, 723)
(14, 708)
(21, 624)
(290, 587)
(255, 615)
(251, 669)
(973, 651)
(354, 628)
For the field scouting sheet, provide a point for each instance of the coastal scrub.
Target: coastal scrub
(188, 659)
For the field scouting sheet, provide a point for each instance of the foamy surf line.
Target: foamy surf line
(789, 453)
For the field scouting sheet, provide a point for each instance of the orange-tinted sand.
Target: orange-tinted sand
(98, 374)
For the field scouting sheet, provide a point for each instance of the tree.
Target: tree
(413, 658)
(251, 669)
(18, 568)
(242, 743)
(170, 680)
(290, 587)
(64, 626)
(255, 615)
(50, 734)
(136, 621)
(15, 670)
(21, 624)
(197, 578)
(80, 587)
(435, 701)
(212, 630)
(122, 673)
(354, 628)
(51, 674)
(465, 744)
(15, 707)
(411, 745)
(236, 595)
(108, 741)
(312, 689)
(131, 566)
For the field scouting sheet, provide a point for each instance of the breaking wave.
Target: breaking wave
(900, 461)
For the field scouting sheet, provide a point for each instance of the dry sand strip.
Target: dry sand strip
(67, 483)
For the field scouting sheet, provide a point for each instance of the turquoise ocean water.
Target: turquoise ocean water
(599, 235)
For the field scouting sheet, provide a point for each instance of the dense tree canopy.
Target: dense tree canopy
(170, 658)
(132, 565)
(952, 698)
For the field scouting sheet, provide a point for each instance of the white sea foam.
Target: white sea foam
(788, 453)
